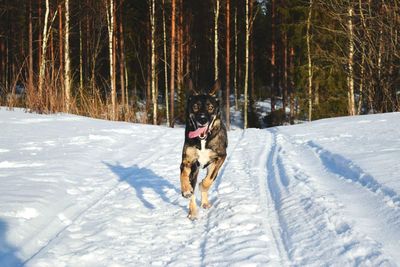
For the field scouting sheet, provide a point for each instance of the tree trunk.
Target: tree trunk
(235, 78)
(60, 52)
(111, 49)
(40, 37)
(90, 43)
(216, 16)
(80, 54)
(351, 106)
(165, 66)
(285, 71)
(309, 62)
(43, 54)
(228, 85)
(114, 54)
(187, 47)
(181, 102)
(251, 59)
(122, 58)
(52, 93)
(67, 73)
(30, 72)
(361, 88)
(173, 41)
(273, 63)
(148, 70)
(246, 74)
(380, 87)
(2, 63)
(291, 90)
(153, 59)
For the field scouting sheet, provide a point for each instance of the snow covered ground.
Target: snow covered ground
(76, 191)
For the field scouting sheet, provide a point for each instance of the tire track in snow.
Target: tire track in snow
(219, 178)
(347, 169)
(144, 162)
(362, 195)
(311, 212)
(240, 223)
(278, 230)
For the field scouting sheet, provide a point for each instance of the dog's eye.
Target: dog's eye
(210, 108)
(195, 107)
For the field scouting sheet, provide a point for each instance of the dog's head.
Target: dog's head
(202, 111)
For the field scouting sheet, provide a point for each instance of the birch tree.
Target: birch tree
(43, 52)
(67, 69)
(111, 49)
(216, 17)
(350, 78)
(165, 66)
(153, 59)
(122, 61)
(228, 37)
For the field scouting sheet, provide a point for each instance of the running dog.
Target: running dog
(205, 146)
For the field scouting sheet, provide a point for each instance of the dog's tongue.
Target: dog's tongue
(198, 132)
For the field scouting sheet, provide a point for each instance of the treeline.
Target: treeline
(132, 60)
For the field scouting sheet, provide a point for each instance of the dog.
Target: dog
(205, 146)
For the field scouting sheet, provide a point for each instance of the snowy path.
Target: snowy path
(83, 192)
(154, 230)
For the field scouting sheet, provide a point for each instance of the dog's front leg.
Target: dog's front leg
(188, 163)
(205, 185)
(189, 172)
(186, 188)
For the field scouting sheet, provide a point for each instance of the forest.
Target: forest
(138, 60)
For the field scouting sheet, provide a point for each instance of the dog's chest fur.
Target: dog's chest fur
(204, 154)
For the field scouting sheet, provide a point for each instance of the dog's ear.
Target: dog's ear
(190, 87)
(217, 85)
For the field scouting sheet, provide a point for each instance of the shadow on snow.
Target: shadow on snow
(8, 255)
(142, 178)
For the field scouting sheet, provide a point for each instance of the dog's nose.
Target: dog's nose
(202, 119)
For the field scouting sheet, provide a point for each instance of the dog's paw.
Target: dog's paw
(192, 216)
(205, 205)
(187, 194)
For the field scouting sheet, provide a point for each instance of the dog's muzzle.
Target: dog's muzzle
(202, 127)
(202, 120)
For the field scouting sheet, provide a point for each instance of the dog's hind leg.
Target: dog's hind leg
(205, 185)
(192, 208)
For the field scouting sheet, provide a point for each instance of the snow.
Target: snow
(77, 191)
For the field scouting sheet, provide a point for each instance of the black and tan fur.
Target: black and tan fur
(207, 151)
